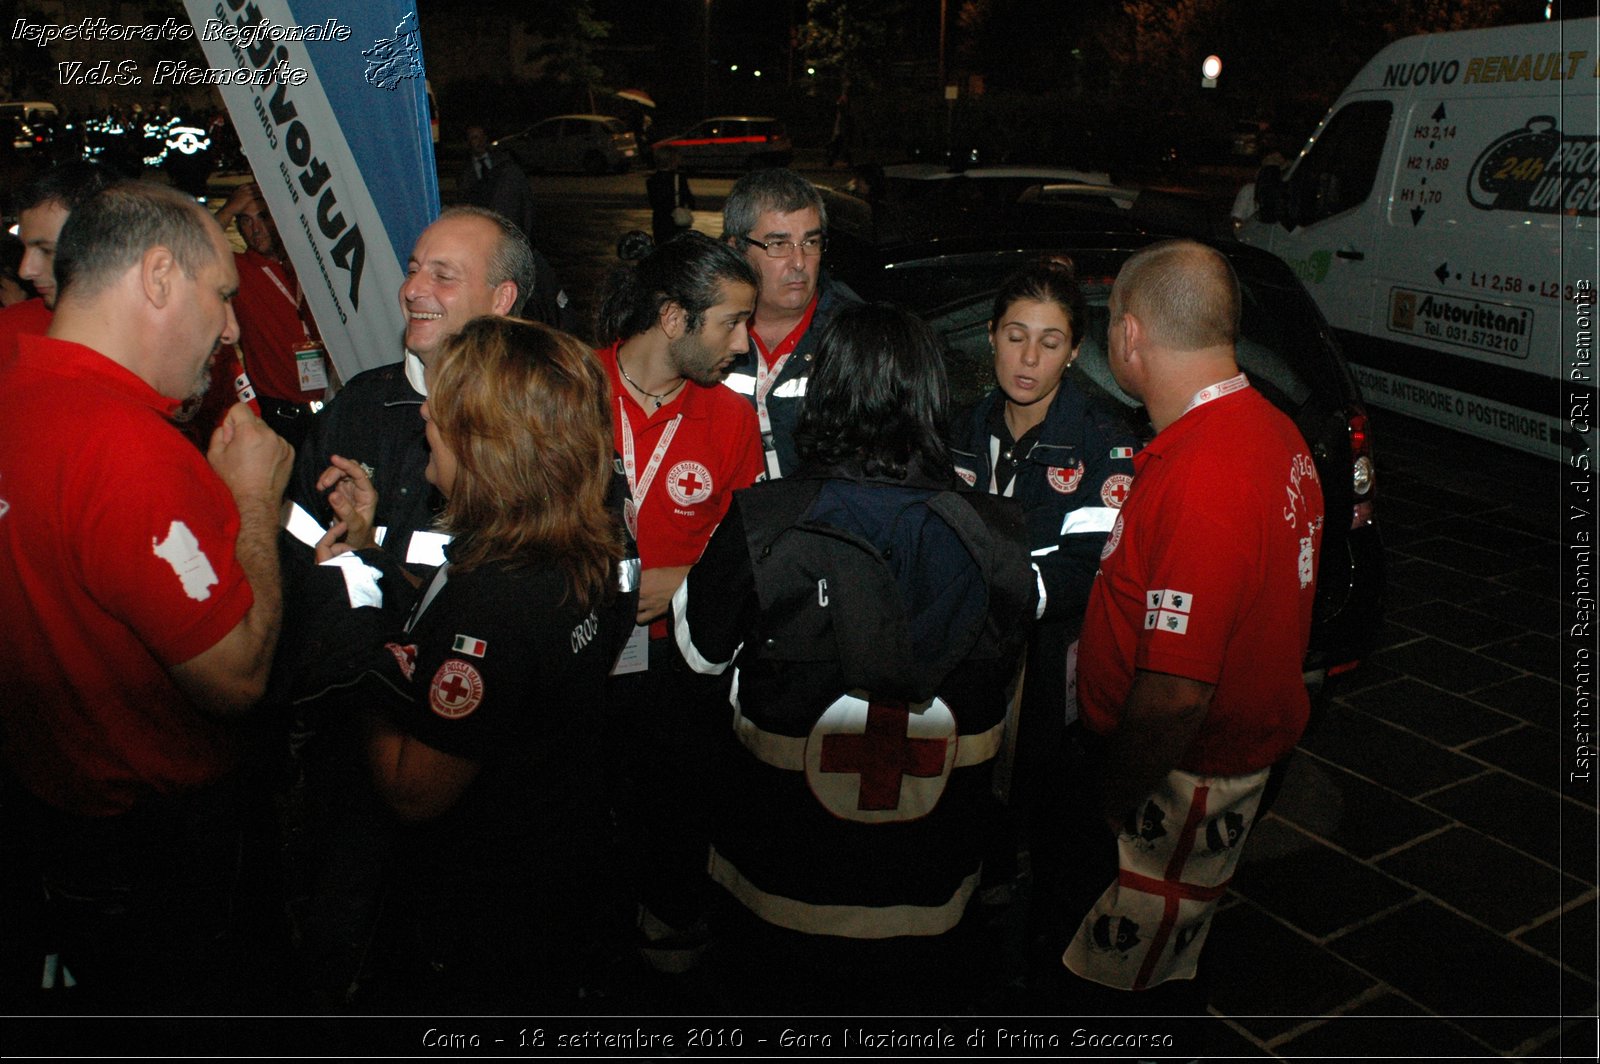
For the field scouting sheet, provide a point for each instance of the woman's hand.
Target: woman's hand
(355, 503)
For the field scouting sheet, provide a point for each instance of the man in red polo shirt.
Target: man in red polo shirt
(140, 583)
(278, 338)
(676, 322)
(1190, 662)
(42, 209)
(777, 220)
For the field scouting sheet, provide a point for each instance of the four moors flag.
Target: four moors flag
(335, 124)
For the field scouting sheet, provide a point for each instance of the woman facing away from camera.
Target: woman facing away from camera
(484, 710)
(1038, 437)
(872, 614)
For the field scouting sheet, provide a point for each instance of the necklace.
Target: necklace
(660, 399)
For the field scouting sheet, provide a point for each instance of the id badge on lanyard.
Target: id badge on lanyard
(635, 655)
(765, 379)
(311, 368)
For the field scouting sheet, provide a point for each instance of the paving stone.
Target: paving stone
(1268, 979)
(1495, 536)
(1484, 879)
(1529, 753)
(1475, 561)
(1386, 754)
(1576, 1041)
(1568, 937)
(1539, 579)
(1446, 666)
(1463, 971)
(1523, 816)
(1224, 1043)
(1359, 817)
(1416, 580)
(1438, 715)
(1392, 633)
(1388, 1027)
(1368, 675)
(1307, 883)
(1454, 624)
(1532, 652)
(1518, 609)
(1532, 698)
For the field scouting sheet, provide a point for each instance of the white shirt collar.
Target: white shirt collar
(416, 374)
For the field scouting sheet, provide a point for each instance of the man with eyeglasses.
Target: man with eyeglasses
(777, 218)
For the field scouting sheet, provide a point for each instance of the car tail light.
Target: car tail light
(1363, 474)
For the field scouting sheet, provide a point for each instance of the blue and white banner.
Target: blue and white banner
(330, 106)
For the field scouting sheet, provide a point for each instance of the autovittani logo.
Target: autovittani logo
(1493, 328)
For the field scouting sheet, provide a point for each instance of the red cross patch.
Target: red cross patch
(1114, 492)
(881, 761)
(1064, 480)
(968, 477)
(689, 483)
(456, 690)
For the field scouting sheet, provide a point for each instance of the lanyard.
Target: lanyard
(1216, 391)
(294, 299)
(639, 486)
(765, 379)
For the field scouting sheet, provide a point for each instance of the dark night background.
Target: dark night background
(1073, 82)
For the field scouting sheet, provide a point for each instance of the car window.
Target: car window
(1280, 346)
(1339, 170)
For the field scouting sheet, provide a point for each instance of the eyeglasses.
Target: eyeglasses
(782, 249)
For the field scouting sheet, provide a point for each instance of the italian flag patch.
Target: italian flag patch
(1122, 452)
(466, 644)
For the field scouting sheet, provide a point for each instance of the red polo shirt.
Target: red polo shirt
(116, 563)
(272, 323)
(715, 450)
(790, 342)
(1209, 574)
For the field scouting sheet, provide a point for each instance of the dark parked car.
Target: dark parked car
(947, 269)
(591, 143)
(729, 142)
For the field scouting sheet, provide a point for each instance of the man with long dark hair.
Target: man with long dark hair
(674, 323)
(873, 617)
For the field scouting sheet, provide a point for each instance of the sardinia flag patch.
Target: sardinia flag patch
(466, 644)
(1167, 610)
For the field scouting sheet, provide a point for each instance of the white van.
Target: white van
(1443, 215)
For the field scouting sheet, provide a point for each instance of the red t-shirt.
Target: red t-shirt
(116, 563)
(271, 326)
(714, 451)
(1210, 574)
(28, 318)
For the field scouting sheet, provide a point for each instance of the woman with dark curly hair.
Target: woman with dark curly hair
(486, 742)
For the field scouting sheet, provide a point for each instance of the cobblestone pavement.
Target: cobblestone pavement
(1427, 858)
